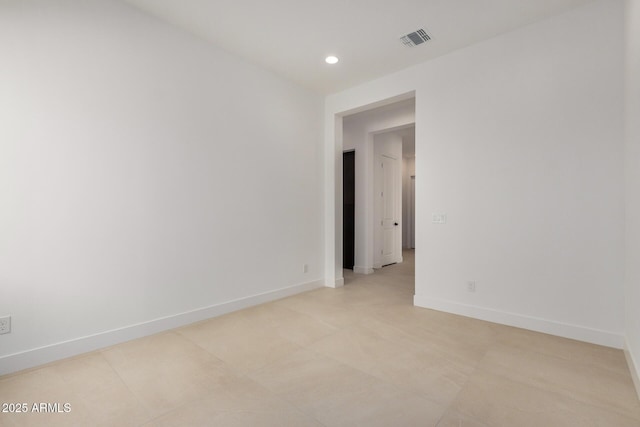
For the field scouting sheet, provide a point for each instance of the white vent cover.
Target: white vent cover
(417, 37)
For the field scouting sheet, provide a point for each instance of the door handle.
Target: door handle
(395, 223)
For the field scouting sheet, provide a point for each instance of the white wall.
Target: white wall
(147, 179)
(519, 141)
(632, 167)
(358, 134)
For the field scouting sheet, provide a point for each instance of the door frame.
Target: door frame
(335, 109)
(411, 215)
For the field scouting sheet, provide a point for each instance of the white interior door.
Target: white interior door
(389, 210)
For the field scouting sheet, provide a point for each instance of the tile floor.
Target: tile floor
(361, 355)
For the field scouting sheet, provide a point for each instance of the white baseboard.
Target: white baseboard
(335, 283)
(633, 367)
(50, 353)
(580, 333)
(362, 270)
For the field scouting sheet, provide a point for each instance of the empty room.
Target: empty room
(320, 213)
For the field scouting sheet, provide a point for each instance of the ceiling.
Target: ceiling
(292, 37)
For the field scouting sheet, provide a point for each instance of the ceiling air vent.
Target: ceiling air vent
(417, 37)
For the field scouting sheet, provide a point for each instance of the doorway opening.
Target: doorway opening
(348, 209)
(384, 138)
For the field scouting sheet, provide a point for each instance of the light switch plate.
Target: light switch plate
(439, 218)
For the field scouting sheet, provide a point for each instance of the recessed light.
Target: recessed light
(331, 59)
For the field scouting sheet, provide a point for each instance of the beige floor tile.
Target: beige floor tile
(33, 386)
(242, 402)
(580, 381)
(575, 351)
(77, 417)
(466, 353)
(434, 377)
(332, 310)
(460, 328)
(167, 370)
(305, 376)
(43, 385)
(242, 343)
(500, 402)
(291, 325)
(338, 395)
(102, 392)
(454, 419)
(95, 393)
(391, 332)
(462, 337)
(202, 416)
(358, 347)
(372, 292)
(245, 394)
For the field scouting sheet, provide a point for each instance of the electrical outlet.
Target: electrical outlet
(305, 268)
(5, 325)
(471, 286)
